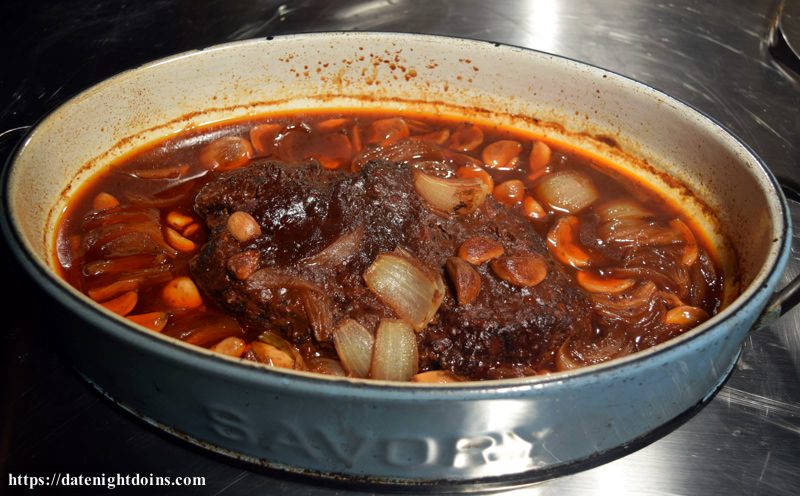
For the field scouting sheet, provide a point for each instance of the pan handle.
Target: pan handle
(787, 297)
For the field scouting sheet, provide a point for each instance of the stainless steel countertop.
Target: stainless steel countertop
(713, 55)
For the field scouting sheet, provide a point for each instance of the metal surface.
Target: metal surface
(712, 55)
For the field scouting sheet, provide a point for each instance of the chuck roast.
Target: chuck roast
(319, 232)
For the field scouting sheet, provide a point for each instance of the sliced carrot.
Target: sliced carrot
(111, 290)
(178, 242)
(501, 154)
(271, 355)
(123, 304)
(562, 240)
(173, 172)
(181, 292)
(532, 209)
(539, 157)
(329, 163)
(476, 171)
(231, 346)
(478, 250)
(436, 376)
(595, 284)
(191, 230)
(355, 138)
(155, 321)
(177, 220)
(510, 192)
(685, 316)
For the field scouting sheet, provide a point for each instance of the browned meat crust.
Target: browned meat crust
(277, 282)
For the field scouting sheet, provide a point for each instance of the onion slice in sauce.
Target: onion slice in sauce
(395, 357)
(454, 195)
(354, 346)
(319, 313)
(412, 290)
(338, 252)
(621, 209)
(568, 190)
(690, 252)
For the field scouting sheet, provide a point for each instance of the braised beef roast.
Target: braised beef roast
(320, 230)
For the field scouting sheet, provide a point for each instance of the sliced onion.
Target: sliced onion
(635, 307)
(437, 137)
(116, 265)
(354, 346)
(279, 343)
(272, 356)
(327, 366)
(466, 137)
(621, 209)
(389, 131)
(228, 152)
(271, 278)
(455, 195)
(412, 290)
(174, 172)
(338, 252)
(573, 354)
(569, 191)
(638, 232)
(395, 357)
(319, 313)
(408, 151)
(690, 252)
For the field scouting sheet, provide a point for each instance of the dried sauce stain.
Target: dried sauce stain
(609, 140)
